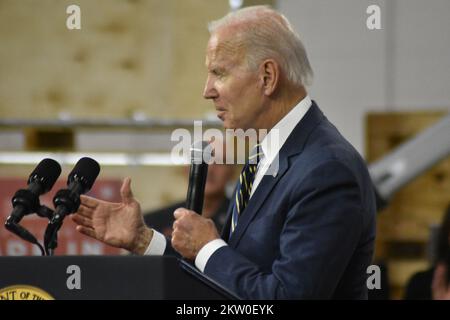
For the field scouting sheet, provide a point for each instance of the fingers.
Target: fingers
(185, 220)
(125, 191)
(82, 221)
(89, 201)
(85, 211)
(180, 212)
(87, 231)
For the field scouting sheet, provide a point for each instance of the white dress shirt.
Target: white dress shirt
(268, 164)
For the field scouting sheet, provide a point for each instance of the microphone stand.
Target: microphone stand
(51, 233)
(66, 201)
(12, 224)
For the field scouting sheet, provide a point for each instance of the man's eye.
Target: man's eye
(217, 73)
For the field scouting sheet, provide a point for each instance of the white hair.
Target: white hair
(265, 34)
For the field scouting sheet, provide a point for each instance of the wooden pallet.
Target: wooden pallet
(403, 228)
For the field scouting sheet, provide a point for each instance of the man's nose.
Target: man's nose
(209, 92)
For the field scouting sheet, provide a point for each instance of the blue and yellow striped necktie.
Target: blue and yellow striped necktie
(245, 184)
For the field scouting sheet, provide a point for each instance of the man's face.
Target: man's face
(234, 89)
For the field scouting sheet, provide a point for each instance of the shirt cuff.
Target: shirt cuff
(157, 245)
(206, 252)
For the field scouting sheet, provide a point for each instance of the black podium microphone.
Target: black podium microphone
(40, 181)
(200, 151)
(80, 181)
(26, 201)
(67, 201)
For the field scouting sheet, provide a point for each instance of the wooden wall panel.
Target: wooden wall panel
(403, 228)
(129, 56)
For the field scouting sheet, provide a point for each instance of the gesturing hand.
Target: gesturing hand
(116, 224)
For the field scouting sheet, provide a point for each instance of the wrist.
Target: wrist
(142, 241)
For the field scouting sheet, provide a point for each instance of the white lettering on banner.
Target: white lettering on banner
(16, 248)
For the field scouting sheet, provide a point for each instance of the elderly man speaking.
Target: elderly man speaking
(306, 231)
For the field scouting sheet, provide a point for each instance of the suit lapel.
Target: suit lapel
(226, 228)
(264, 188)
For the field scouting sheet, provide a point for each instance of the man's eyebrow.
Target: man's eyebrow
(213, 65)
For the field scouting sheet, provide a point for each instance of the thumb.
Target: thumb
(178, 213)
(125, 191)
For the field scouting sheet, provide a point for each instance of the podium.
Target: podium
(109, 277)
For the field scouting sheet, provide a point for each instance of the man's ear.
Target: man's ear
(270, 74)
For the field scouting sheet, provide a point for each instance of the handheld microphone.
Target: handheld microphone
(67, 201)
(197, 176)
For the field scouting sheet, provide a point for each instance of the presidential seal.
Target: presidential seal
(24, 292)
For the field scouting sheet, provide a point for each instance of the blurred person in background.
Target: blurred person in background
(215, 203)
(433, 284)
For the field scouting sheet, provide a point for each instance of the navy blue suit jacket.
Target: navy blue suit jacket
(308, 232)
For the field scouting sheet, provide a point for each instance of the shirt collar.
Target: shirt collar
(277, 136)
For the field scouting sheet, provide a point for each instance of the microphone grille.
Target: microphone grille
(87, 169)
(46, 172)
